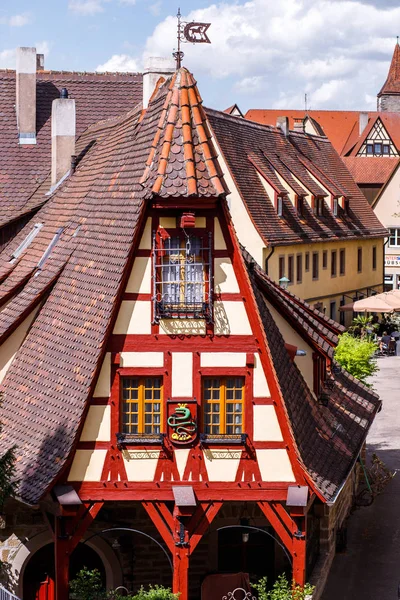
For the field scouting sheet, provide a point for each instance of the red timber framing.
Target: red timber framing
(68, 531)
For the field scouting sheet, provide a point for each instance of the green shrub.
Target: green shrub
(282, 590)
(356, 355)
(87, 585)
(156, 592)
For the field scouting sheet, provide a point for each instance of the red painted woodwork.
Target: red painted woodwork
(46, 589)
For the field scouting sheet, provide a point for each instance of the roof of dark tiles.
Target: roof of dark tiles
(23, 168)
(328, 437)
(242, 141)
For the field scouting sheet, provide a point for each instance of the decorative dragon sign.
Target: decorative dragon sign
(182, 422)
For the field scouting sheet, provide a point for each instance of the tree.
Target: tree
(356, 355)
(7, 480)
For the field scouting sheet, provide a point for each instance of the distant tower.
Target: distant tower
(389, 96)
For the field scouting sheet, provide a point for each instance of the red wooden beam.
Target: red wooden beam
(277, 524)
(166, 533)
(198, 528)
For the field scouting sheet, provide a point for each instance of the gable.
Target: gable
(378, 142)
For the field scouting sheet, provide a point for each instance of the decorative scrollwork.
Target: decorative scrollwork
(244, 595)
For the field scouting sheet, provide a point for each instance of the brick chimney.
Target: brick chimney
(63, 131)
(26, 95)
(362, 122)
(154, 68)
(283, 124)
(39, 62)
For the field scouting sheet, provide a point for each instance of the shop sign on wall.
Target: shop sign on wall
(392, 260)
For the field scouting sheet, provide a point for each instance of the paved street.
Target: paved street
(370, 569)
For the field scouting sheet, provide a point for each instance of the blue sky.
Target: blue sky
(264, 53)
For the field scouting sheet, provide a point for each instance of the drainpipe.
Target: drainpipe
(268, 257)
(383, 258)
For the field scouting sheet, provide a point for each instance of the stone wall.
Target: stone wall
(389, 103)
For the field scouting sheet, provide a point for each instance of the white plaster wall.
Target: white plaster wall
(222, 469)
(225, 281)
(133, 317)
(142, 359)
(304, 363)
(181, 457)
(13, 343)
(182, 374)
(222, 359)
(103, 385)
(291, 192)
(219, 242)
(97, 427)
(145, 242)
(260, 384)
(231, 318)
(387, 208)
(265, 424)
(140, 465)
(87, 465)
(140, 278)
(275, 465)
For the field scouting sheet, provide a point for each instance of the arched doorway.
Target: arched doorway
(39, 575)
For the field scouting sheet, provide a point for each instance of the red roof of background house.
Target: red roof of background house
(371, 170)
(392, 83)
(23, 168)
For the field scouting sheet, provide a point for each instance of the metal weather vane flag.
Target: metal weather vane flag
(193, 32)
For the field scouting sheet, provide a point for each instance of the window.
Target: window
(370, 149)
(333, 263)
(332, 310)
(394, 238)
(307, 261)
(342, 260)
(335, 207)
(377, 148)
(374, 258)
(181, 282)
(280, 206)
(299, 268)
(359, 260)
(319, 207)
(325, 259)
(223, 405)
(291, 268)
(386, 149)
(141, 405)
(281, 267)
(315, 265)
(300, 203)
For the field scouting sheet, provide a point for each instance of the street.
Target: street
(370, 568)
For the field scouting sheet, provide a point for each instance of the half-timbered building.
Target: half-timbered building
(176, 414)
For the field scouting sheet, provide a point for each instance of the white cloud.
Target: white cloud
(338, 51)
(121, 63)
(86, 7)
(16, 20)
(7, 59)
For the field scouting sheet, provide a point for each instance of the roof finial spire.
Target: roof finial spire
(193, 32)
(397, 37)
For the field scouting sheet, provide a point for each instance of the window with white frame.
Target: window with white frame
(394, 237)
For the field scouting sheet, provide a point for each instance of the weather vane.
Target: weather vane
(193, 32)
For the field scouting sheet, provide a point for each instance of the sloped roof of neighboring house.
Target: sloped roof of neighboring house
(392, 83)
(328, 437)
(371, 170)
(294, 157)
(23, 168)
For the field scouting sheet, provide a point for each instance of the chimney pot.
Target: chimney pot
(39, 62)
(154, 68)
(363, 121)
(25, 76)
(64, 93)
(283, 124)
(63, 131)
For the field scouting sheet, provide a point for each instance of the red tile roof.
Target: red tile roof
(242, 142)
(23, 168)
(392, 83)
(370, 170)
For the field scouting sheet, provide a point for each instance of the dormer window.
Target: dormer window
(335, 207)
(279, 206)
(300, 205)
(181, 274)
(319, 207)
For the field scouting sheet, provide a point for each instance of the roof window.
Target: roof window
(29, 238)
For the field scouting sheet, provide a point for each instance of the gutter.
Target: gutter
(268, 257)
